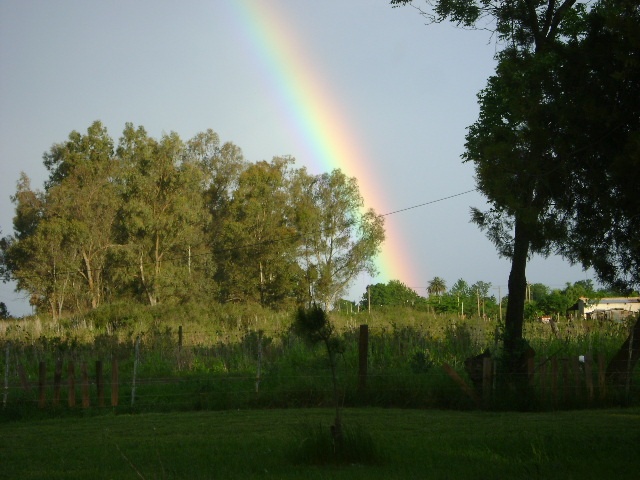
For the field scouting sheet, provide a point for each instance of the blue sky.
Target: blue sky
(408, 90)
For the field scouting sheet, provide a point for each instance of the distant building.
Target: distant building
(617, 308)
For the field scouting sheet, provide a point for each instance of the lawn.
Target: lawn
(434, 444)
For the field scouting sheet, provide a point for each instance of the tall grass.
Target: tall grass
(225, 348)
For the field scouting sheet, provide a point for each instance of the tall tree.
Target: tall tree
(602, 132)
(161, 214)
(39, 256)
(339, 239)
(80, 193)
(510, 144)
(257, 262)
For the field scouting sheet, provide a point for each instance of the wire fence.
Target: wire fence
(192, 369)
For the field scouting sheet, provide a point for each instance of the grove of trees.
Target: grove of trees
(165, 220)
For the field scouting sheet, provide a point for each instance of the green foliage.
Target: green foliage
(164, 221)
(392, 294)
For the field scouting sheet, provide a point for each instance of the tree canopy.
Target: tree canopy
(164, 221)
(556, 139)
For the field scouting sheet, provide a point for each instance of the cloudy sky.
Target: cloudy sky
(352, 84)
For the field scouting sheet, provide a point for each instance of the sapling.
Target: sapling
(314, 326)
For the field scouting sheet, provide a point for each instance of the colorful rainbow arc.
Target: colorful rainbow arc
(310, 108)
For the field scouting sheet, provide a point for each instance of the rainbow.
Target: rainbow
(321, 126)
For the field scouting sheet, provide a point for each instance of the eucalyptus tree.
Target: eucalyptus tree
(80, 195)
(221, 166)
(161, 215)
(37, 256)
(63, 235)
(257, 255)
(339, 239)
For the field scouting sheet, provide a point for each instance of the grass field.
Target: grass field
(433, 444)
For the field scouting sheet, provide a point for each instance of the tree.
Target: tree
(437, 286)
(258, 259)
(510, 144)
(314, 325)
(34, 256)
(603, 126)
(393, 293)
(4, 312)
(81, 199)
(338, 240)
(161, 215)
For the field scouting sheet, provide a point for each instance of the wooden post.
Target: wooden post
(57, 381)
(42, 380)
(259, 368)
(135, 370)
(543, 374)
(114, 381)
(23, 378)
(363, 357)
(6, 376)
(85, 386)
(554, 379)
(100, 383)
(180, 347)
(602, 384)
(565, 379)
(487, 380)
(577, 377)
(531, 368)
(71, 373)
(588, 376)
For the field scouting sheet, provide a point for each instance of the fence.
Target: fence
(554, 381)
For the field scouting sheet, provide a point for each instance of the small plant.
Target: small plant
(314, 326)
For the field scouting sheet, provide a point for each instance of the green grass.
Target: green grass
(262, 443)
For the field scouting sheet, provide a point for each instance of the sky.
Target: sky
(355, 85)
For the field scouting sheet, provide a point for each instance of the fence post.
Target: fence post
(554, 379)
(135, 370)
(543, 376)
(6, 376)
(602, 384)
(588, 376)
(363, 357)
(85, 386)
(42, 379)
(565, 379)
(71, 373)
(487, 381)
(57, 380)
(114, 381)
(100, 383)
(23, 378)
(180, 347)
(259, 369)
(577, 377)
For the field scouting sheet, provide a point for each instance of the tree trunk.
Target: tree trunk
(513, 341)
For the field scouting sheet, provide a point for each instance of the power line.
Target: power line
(428, 203)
